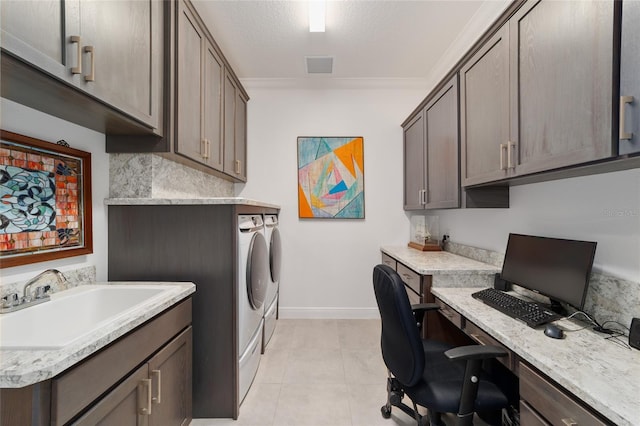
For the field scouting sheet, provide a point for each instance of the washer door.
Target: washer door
(257, 270)
(275, 258)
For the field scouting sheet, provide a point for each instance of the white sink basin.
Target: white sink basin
(72, 314)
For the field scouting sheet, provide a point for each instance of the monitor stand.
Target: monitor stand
(558, 308)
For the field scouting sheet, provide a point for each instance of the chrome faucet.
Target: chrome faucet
(40, 291)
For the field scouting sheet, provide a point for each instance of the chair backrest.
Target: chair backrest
(402, 348)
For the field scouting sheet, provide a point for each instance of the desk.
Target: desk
(600, 373)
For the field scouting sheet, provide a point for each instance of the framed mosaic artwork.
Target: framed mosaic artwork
(45, 201)
(331, 177)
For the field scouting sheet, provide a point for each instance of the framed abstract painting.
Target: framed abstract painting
(331, 177)
(45, 201)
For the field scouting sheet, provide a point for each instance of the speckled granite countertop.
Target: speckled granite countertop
(19, 368)
(446, 269)
(602, 373)
(437, 262)
(187, 201)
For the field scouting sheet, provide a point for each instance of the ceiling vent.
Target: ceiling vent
(319, 64)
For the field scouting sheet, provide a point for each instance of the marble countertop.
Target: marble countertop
(437, 262)
(19, 368)
(600, 372)
(187, 201)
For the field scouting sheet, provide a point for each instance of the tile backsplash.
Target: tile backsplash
(75, 277)
(153, 176)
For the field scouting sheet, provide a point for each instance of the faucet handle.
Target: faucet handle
(42, 291)
(10, 300)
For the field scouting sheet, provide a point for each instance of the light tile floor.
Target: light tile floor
(319, 373)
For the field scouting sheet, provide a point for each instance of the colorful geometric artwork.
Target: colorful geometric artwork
(41, 199)
(331, 177)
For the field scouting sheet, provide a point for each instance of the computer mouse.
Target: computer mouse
(552, 330)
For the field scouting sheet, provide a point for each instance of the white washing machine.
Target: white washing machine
(272, 235)
(253, 279)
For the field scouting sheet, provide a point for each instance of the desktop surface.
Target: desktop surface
(603, 373)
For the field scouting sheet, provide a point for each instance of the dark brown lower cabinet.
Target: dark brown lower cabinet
(142, 378)
(154, 394)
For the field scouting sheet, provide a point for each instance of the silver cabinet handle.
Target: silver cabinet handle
(158, 376)
(144, 394)
(503, 146)
(623, 101)
(511, 146)
(78, 68)
(92, 73)
(238, 166)
(569, 422)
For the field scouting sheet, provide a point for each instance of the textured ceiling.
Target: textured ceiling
(367, 38)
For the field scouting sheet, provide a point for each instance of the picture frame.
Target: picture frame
(331, 177)
(45, 200)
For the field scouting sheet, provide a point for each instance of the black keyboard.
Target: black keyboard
(530, 313)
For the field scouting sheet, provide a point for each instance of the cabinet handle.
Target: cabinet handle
(158, 376)
(569, 422)
(503, 146)
(511, 147)
(92, 73)
(78, 68)
(144, 394)
(203, 148)
(623, 101)
(237, 166)
(478, 339)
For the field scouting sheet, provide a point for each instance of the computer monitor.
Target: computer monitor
(556, 268)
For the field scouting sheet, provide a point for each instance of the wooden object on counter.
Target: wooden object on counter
(425, 247)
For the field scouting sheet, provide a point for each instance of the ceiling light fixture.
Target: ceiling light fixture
(317, 9)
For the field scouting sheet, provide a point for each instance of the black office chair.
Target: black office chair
(435, 375)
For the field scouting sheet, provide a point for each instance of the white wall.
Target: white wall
(604, 208)
(327, 264)
(29, 122)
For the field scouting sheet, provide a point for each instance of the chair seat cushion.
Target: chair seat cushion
(441, 384)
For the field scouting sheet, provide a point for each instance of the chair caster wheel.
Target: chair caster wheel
(386, 411)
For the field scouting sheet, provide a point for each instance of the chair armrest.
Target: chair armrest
(463, 353)
(419, 311)
(424, 307)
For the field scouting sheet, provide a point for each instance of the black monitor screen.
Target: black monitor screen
(556, 268)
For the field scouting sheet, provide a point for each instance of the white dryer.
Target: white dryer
(272, 235)
(253, 279)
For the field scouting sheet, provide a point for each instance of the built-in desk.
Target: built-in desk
(583, 371)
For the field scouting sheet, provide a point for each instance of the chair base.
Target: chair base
(395, 394)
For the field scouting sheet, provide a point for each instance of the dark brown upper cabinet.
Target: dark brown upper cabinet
(95, 63)
(537, 95)
(561, 84)
(484, 112)
(629, 131)
(199, 93)
(431, 172)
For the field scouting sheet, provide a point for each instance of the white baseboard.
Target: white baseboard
(328, 313)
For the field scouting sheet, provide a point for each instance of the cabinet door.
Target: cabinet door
(630, 79)
(443, 183)
(230, 110)
(39, 32)
(170, 373)
(241, 137)
(190, 45)
(235, 129)
(561, 84)
(125, 67)
(414, 163)
(213, 80)
(123, 405)
(484, 111)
